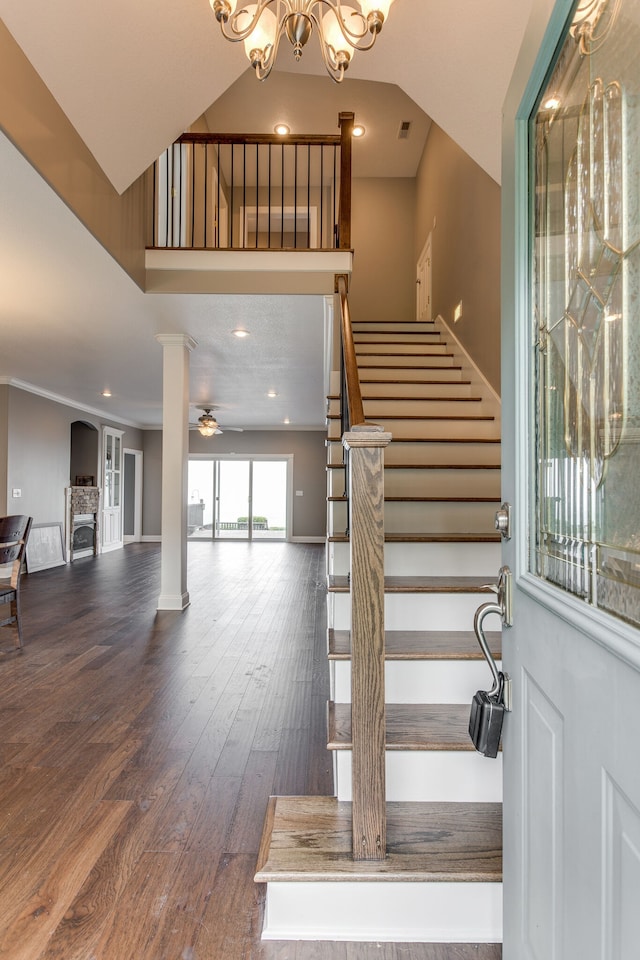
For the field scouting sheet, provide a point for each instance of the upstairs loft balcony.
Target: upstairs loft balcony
(251, 214)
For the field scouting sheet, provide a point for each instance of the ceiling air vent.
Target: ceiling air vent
(403, 132)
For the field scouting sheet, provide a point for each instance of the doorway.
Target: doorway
(234, 498)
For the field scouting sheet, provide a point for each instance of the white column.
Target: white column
(175, 452)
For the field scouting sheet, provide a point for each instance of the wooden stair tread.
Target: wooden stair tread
(341, 584)
(427, 417)
(410, 366)
(421, 645)
(409, 726)
(428, 466)
(343, 497)
(419, 383)
(391, 343)
(309, 839)
(402, 353)
(428, 538)
(420, 399)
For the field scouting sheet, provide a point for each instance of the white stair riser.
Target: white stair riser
(414, 361)
(437, 776)
(439, 429)
(420, 681)
(434, 517)
(427, 559)
(401, 349)
(387, 912)
(431, 391)
(428, 483)
(387, 337)
(440, 452)
(447, 373)
(414, 611)
(396, 326)
(424, 407)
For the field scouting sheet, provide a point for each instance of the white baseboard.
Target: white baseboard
(389, 912)
(151, 538)
(179, 601)
(496, 396)
(307, 539)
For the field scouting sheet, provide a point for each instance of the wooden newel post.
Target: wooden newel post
(344, 212)
(366, 444)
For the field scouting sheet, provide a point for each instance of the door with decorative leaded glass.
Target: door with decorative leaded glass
(571, 366)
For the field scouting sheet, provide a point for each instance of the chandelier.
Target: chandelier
(341, 29)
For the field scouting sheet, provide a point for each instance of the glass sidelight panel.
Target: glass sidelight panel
(585, 167)
(233, 501)
(200, 506)
(269, 499)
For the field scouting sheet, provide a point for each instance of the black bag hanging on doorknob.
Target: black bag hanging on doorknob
(487, 708)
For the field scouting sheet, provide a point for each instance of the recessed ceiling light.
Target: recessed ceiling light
(358, 130)
(286, 420)
(281, 129)
(106, 393)
(240, 333)
(272, 394)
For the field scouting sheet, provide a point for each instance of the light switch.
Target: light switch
(299, 493)
(16, 493)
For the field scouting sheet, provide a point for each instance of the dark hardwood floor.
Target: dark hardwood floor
(139, 750)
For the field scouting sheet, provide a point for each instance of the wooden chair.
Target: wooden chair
(14, 533)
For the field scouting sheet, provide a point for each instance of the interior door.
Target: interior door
(571, 379)
(111, 532)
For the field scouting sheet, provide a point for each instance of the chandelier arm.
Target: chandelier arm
(229, 28)
(362, 39)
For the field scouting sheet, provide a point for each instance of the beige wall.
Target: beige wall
(4, 413)
(39, 453)
(32, 119)
(382, 232)
(464, 203)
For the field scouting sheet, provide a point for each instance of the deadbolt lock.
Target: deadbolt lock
(503, 521)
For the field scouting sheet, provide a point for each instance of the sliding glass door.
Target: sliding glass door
(238, 499)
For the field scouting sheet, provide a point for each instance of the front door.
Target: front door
(571, 375)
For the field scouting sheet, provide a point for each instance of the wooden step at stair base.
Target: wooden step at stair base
(440, 881)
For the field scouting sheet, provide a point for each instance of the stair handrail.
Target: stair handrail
(353, 411)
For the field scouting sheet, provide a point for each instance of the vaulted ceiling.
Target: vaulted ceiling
(132, 76)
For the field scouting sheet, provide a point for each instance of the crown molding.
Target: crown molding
(67, 402)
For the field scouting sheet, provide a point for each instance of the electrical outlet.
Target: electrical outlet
(299, 493)
(16, 493)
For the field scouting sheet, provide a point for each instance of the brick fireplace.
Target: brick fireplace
(83, 511)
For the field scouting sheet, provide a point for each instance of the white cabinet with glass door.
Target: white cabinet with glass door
(571, 462)
(111, 527)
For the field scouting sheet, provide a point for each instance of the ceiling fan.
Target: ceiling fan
(207, 423)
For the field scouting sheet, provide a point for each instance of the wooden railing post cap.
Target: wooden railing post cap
(366, 435)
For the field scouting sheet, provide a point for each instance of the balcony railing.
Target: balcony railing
(254, 192)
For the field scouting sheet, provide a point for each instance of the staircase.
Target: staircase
(441, 879)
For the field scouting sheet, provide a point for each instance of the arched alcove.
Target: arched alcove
(84, 453)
